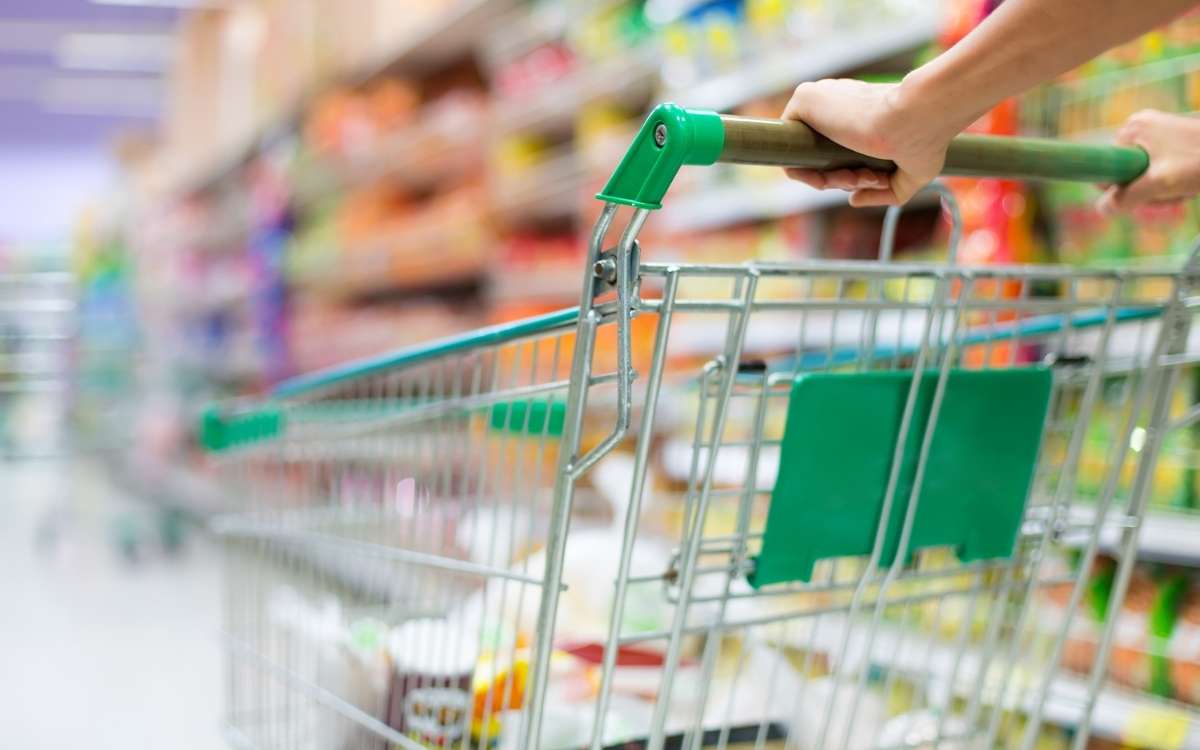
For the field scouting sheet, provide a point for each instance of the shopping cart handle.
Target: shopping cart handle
(673, 136)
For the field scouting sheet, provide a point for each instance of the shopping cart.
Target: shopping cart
(802, 505)
(38, 318)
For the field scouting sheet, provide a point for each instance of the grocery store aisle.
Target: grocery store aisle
(98, 650)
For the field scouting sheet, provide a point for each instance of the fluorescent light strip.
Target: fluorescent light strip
(178, 4)
(116, 52)
(102, 96)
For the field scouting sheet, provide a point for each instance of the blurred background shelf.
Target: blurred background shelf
(721, 206)
(443, 35)
(548, 189)
(818, 57)
(1119, 715)
(627, 80)
(1165, 536)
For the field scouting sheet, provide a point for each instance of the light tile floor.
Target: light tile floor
(97, 651)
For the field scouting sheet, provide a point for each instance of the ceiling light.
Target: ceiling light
(123, 52)
(113, 95)
(184, 4)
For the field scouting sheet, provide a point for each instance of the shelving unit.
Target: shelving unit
(722, 206)
(418, 157)
(550, 189)
(454, 33)
(1166, 536)
(629, 80)
(437, 150)
(1119, 714)
(813, 59)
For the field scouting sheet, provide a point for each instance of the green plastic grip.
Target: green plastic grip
(218, 432)
(529, 417)
(794, 144)
(673, 136)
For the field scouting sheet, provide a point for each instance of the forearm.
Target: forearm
(1022, 44)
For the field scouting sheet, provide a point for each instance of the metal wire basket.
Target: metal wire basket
(809, 505)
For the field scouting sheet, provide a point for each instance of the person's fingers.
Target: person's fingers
(1128, 133)
(1107, 202)
(867, 197)
(905, 185)
(869, 178)
(1128, 197)
(1141, 191)
(847, 179)
(801, 104)
(841, 179)
(1140, 129)
(810, 177)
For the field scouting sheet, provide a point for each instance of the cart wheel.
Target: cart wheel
(172, 529)
(127, 538)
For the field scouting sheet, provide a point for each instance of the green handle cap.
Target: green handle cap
(669, 138)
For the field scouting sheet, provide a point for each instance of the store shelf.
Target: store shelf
(416, 257)
(628, 79)
(551, 189)
(1118, 714)
(433, 151)
(732, 204)
(558, 284)
(452, 33)
(782, 68)
(1166, 536)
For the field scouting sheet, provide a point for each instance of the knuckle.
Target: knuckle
(1145, 116)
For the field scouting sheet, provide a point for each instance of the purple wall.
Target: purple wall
(58, 156)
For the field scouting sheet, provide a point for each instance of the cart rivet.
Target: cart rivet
(606, 270)
(660, 134)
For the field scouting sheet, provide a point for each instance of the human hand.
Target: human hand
(877, 119)
(1173, 143)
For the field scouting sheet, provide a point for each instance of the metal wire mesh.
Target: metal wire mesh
(429, 549)
(389, 546)
(936, 653)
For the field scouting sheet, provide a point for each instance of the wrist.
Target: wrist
(928, 99)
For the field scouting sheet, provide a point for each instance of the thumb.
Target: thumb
(900, 188)
(865, 197)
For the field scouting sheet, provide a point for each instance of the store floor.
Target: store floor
(98, 649)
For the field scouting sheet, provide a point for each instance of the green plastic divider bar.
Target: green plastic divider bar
(836, 456)
(219, 432)
(529, 417)
(673, 136)
(489, 336)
